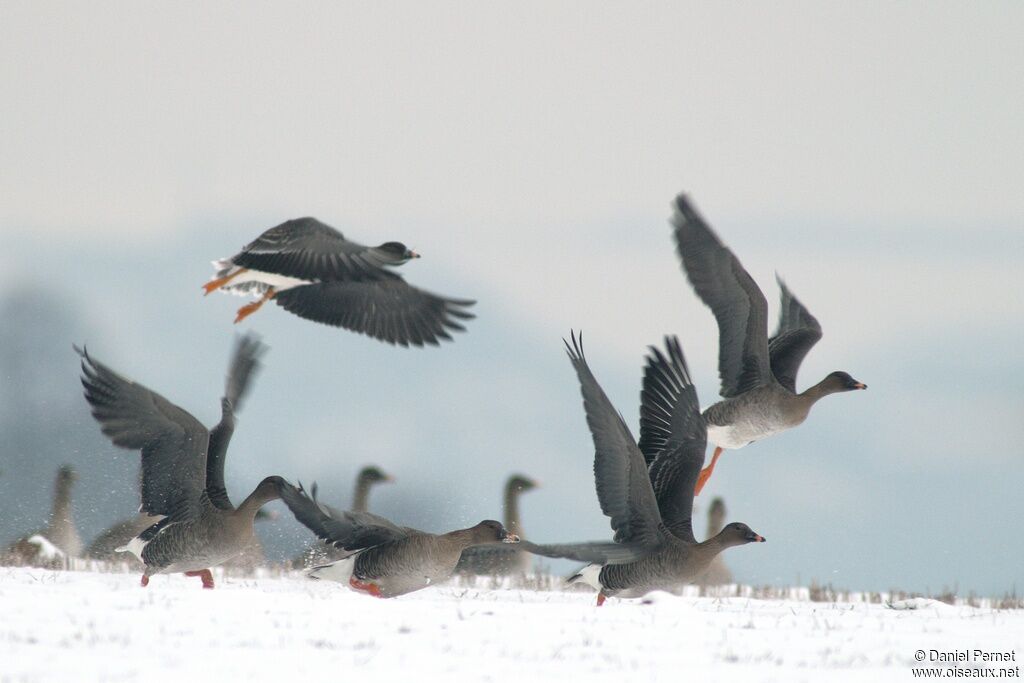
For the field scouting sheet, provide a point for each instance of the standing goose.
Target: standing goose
(647, 489)
(59, 541)
(320, 553)
(392, 560)
(182, 468)
(245, 363)
(758, 374)
(500, 559)
(117, 535)
(311, 270)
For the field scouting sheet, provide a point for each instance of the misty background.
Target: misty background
(871, 154)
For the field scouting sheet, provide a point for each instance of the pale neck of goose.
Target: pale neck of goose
(511, 510)
(61, 513)
(262, 495)
(716, 520)
(361, 498)
(718, 543)
(463, 538)
(812, 395)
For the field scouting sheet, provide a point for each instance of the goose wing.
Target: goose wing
(173, 443)
(245, 362)
(307, 249)
(390, 310)
(796, 335)
(673, 436)
(344, 529)
(734, 298)
(599, 552)
(623, 488)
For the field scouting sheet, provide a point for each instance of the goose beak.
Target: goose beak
(510, 538)
(860, 385)
(758, 538)
(413, 254)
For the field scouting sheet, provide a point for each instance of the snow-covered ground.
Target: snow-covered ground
(89, 626)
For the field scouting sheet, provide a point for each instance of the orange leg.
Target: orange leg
(251, 308)
(705, 473)
(601, 597)
(365, 587)
(145, 580)
(205, 575)
(216, 284)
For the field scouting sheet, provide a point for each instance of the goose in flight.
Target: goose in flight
(311, 270)
(758, 373)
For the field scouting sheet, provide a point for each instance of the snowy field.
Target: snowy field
(88, 626)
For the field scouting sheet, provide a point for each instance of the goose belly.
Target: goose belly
(744, 426)
(256, 281)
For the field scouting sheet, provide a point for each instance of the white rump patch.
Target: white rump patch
(340, 571)
(589, 575)
(134, 547)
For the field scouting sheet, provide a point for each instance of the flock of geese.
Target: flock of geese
(188, 523)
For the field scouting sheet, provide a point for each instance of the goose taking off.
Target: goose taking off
(758, 374)
(500, 559)
(647, 489)
(182, 468)
(391, 560)
(311, 270)
(59, 541)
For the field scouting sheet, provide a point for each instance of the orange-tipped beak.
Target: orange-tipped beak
(759, 538)
(413, 254)
(860, 385)
(510, 538)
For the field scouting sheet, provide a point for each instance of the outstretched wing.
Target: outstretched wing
(727, 289)
(389, 310)
(173, 442)
(344, 529)
(307, 249)
(245, 362)
(620, 472)
(672, 435)
(797, 334)
(596, 551)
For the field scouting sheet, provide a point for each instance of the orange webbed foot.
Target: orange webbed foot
(365, 587)
(601, 597)
(217, 283)
(205, 574)
(705, 473)
(254, 306)
(145, 581)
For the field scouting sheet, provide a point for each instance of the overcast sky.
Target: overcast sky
(870, 153)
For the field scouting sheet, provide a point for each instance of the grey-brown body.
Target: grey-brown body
(391, 560)
(418, 561)
(207, 540)
(673, 565)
